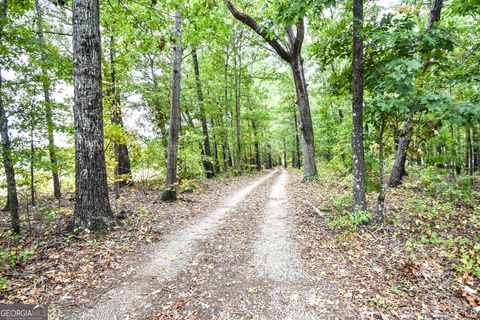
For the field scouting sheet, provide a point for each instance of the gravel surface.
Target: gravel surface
(167, 258)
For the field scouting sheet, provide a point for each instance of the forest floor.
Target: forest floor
(265, 246)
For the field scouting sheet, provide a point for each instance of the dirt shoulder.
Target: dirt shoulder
(389, 270)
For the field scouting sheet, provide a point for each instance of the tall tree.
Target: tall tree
(357, 109)
(48, 102)
(170, 192)
(206, 152)
(398, 169)
(12, 201)
(292, 54)
(92, 206)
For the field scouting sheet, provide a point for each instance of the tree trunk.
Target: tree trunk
(398, 170)
(258, 161)
(458, 166)
(357, 109)
(381, 194)
(285, 164)
(292, 55)
(12, 202)
(156, 102)
(469, 158)
(32, 162)
(268, 149)
(298, 159)
(475, 147)
(122, 171)
(48, 104)
(435, 12)
(207, 154)
(170, 193)
(226, 149)
(438, 151)
(238, 75)
(309, 164)
(215, 149)
(92, 206)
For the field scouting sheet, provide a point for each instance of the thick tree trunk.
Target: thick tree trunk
(398, 170)
(170, 193)
(48, 103)
(122, 170)
(309, 164)
(92, 206)
(12, 202)
(207, 154)
(359, 200)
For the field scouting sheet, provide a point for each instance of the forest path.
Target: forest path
(250, 268)
(164, 261)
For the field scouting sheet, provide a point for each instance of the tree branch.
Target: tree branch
(249, 21)
(297, 44)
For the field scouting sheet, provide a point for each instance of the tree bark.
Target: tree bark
(398, 170)
(207, 154)
(122, 170)
(359, 200)
(298, 157)
(48, 104)
(306, 127)
(170, 192)
(92, 206)
(435, 12)
(12, 202)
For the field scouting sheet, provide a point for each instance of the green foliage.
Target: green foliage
(349, 220)
(189, 186)
(456, 189)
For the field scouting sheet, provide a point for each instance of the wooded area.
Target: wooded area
(115, 115)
